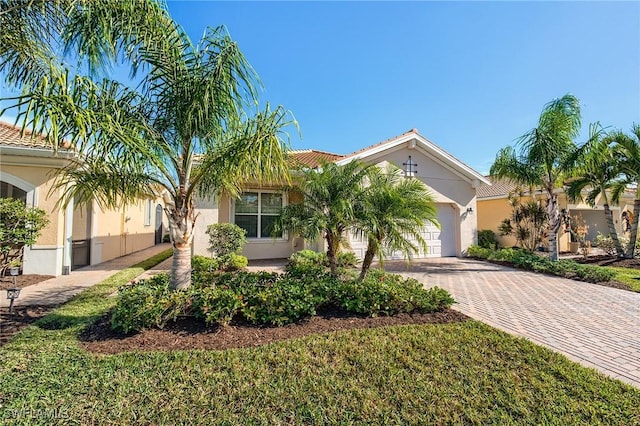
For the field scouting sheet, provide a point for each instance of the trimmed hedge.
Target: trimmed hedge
(532, 262)
(264, 298)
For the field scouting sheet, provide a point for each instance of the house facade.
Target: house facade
(77, 235)
(452, 184)
(494, 207)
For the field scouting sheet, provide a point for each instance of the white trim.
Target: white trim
(68, 236)
(467, 172)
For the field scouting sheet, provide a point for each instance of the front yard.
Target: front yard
(463, 372)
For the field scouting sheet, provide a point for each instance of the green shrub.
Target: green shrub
(311, 259)
(388, 294)
(283, 302)
(233, 262)
(532, 262)
(487, 239)
(216, 304)
(148, 303)
(478, 252)
(306, 258)
(226, 238)
(346, 259)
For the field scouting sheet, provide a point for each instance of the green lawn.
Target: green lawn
(418, 374)
(627, 276)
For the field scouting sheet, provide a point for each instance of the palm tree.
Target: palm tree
(330, 194)
(539, 162)
(183, 130)
(392, 214)
(627, 151)
(595, 168)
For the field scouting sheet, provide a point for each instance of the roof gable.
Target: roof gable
(414, 139)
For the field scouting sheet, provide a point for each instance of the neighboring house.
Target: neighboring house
(78, 235)
(452, 183)
(493, 208)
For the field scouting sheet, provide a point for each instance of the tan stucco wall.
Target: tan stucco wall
(121, 231)
(42, 179)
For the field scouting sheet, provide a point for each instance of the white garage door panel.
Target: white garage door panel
(440, 242)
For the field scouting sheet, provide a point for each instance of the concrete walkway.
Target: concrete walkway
(62, 288)
(594, 325)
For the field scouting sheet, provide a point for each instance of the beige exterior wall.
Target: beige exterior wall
(120, 232)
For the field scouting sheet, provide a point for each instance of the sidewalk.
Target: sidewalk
(62, 288)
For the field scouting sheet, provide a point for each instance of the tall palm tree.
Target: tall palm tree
(330, 194)
(595, 168)
(185, 129)
(541, 155)
(392, 214)
(627, 151)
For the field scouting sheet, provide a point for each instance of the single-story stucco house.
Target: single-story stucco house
(452, 183)
(494, 207)
(78, 235)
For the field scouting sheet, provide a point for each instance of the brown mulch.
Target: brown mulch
(605, 260)
(189, 334)
(22, 280)
(11, 324)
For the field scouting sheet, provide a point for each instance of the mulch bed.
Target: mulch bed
(11, 324)
(189, 334)
(604, 260)
(22, 281)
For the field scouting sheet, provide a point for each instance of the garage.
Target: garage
(440, 242)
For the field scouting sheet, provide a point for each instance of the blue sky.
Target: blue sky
(471, 76)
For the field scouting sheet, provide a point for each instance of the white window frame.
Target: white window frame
(147, 212)
(259, 238)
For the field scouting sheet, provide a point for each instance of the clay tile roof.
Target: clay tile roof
(312, 157)
(11, 135)
(382, 143)
(498, 188)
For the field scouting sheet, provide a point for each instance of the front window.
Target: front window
(256, 213)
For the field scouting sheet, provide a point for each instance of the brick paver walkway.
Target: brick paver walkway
(60, 289)
(594, 325)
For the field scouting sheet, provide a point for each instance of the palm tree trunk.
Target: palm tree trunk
(181, 267)
(555, 221)
(612, 230)
(332, 248)
(634, 230)
(181, 224)
(368, 259)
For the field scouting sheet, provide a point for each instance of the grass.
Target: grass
(419, 374)
(628, 276)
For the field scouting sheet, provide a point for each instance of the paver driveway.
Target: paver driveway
(594, 325)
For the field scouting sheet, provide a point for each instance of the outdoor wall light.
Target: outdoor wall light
(12, 294)
(469, 210)
(410, 168)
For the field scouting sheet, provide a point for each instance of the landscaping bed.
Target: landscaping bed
(613, 261)
(186, 334)
(23, 281)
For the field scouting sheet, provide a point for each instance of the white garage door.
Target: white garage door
(440, 242)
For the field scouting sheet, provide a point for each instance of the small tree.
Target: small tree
(526, 223)
(391, 215)
(19, 226)
(226, 238)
